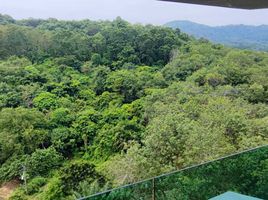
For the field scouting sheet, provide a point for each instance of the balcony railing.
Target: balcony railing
(245, 172)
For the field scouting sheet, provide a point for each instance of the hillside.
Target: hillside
(91, 105)
(241, 36)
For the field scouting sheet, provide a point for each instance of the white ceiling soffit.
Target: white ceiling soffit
(242, 4)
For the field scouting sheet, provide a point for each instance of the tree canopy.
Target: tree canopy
(94, 105)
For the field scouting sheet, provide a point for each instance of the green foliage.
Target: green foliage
(19, 195)
(79, 99)
(42, 161)
(6, 19)
(11, 169)
(22, 131)
(35, 185)
(64, 140)
(86, 189)
(125, 83)
(68, 61)
(61, 117)
(96, 59)
(75, 172)
(110, 43)
(45, 101)
(261, 176)
(99, 79)
(53, 190)
(187, 129)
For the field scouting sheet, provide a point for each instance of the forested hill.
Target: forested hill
(86, 106)
(241, 36)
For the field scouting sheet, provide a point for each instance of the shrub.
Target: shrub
(35, 185)
(72, 174)
(42, 161)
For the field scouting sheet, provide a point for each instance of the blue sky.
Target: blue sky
(135, 11)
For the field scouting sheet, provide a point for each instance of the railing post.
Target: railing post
(153, 189)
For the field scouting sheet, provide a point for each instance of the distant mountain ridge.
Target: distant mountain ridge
(241, 36)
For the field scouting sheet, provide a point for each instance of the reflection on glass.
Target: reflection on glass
(245, 173)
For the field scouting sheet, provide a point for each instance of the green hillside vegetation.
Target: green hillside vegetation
(86, 106)
(239, 36)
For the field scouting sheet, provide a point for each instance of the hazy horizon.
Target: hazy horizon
(138, 11)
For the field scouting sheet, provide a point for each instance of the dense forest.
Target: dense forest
(86, 106)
